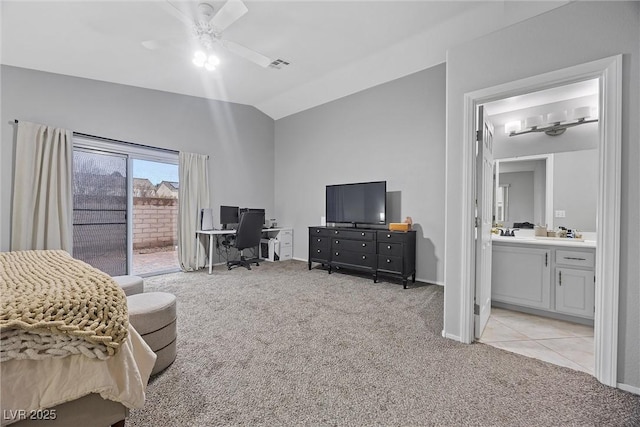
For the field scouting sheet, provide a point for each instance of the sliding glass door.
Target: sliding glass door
(100, 210)
(125, 207)
(155, 216)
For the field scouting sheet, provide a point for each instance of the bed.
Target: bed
(68, 354)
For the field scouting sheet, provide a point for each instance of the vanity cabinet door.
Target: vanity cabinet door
(521, 276)
(575, 291)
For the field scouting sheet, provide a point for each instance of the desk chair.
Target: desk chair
(247, 236)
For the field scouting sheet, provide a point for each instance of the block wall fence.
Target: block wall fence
(155, 221)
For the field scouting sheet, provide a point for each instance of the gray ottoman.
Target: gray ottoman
(153, 315)
(130, 284)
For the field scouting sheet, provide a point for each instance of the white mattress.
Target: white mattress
(37, 384)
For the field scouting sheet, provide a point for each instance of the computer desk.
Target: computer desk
(217, 233)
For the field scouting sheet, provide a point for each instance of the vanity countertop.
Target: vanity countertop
(545, 241)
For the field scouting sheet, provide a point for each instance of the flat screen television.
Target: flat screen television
(358, 203)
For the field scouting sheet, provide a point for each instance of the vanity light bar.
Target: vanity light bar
(554, 129)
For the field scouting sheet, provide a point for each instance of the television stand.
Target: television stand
(368, 250)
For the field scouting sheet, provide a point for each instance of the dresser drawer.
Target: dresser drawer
(353, 245)
(392, 249)
(354, 235)
(575, 258)
(353, 258)
(318, 231)
(319, 241)
(390, 263)
(392, 236)
(321, 252)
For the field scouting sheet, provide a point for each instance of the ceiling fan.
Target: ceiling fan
(207, 27)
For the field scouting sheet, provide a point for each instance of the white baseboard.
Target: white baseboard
(451, 336)
(431, 282)
(629, 388)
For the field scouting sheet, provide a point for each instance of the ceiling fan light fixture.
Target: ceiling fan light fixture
(210, 62)
(207, 26)
(199, 58)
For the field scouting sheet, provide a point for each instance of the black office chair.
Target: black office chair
(247, 236)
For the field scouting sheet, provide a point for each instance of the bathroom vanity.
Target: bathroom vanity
(545, 276)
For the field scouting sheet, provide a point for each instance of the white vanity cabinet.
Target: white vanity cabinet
(521, 276)
(575, 282)
(544, 277)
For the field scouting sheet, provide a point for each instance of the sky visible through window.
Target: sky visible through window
(155, 172)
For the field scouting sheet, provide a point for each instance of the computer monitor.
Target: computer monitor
(229, 215)
(243, 210)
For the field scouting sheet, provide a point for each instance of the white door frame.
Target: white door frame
(609, 72)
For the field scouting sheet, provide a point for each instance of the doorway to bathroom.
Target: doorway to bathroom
(608, 206)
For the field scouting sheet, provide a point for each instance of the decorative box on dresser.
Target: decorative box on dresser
(363, 249)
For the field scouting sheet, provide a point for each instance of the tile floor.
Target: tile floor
(554, 341)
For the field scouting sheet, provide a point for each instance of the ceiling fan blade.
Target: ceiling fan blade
(175, 11)
(154, 44)
(157, 44)
(228, 14)
(247, 53)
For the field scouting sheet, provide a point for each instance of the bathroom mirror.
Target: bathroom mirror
(557, 189)
(521, 190)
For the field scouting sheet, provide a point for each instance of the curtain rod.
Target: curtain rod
(86, 135)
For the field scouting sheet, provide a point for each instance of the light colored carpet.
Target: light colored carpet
(281, 345)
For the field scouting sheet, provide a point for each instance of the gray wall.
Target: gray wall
(393, 132)
(570, 35)
(238, 138)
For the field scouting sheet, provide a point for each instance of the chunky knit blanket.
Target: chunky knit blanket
(52, 305)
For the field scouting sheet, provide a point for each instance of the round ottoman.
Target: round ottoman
(131, 285)
(153, 315)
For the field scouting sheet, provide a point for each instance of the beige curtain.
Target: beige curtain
(193, 196)
(42, 209)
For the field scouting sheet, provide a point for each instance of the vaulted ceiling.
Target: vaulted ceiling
(334, 48)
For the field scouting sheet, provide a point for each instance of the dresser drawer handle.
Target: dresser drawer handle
(388, 236)
(336, 232)
(364, 257)
(337, 253)
(319, 251)
(389, 247)
(337, 241)
(317, 230)
(362, 234)
(575, 258)
(388, 260)
(319, 240)
(364, 245)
